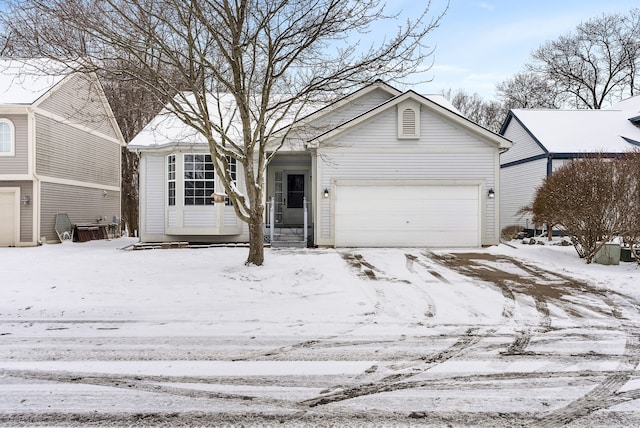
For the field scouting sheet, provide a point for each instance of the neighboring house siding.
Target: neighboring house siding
(154, 194)
(77, 99)
(63, 151)
(518, 185)
(19, 162)
(524, 146)
(26, 211)
(82, 204)
(558, 163)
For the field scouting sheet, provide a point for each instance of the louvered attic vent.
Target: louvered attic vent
(408, 121)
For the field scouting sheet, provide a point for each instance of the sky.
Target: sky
(481, 43)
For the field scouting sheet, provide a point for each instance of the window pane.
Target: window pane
(295, 190)
(5, 137)
(199, 179)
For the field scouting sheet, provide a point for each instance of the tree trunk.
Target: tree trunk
(256, 239)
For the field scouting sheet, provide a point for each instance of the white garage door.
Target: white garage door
(7, 219)
(407, 216)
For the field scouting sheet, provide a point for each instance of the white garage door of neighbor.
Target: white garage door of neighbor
(407, 216)
(7, 219)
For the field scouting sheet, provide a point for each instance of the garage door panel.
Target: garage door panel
(7, 219)
(407, 216)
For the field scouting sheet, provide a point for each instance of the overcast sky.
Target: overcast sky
(481, 43)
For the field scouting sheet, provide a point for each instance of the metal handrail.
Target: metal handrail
(271, 204)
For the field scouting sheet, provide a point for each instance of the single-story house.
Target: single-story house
(60, 151)
(544, 140)
(379, 167)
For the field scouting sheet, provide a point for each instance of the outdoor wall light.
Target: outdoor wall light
(325, 194)
(25, 200)
(104, 193)
(491, 194)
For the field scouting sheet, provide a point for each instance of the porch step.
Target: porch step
(288, 237)
(288, 244)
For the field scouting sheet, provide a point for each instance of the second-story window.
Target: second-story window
(7, 145)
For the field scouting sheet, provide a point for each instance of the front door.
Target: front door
(293, 201)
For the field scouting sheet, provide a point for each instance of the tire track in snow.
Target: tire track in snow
(150, 384)
(397, 381)
(603, 395)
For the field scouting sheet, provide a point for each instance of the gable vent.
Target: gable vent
(408, 122)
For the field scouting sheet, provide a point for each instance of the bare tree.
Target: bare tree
(272, 57)
(488, 114)
(594, 64)
(528, 90)
(133, 107)
(629, 203)
(29, 32)
(586, 198)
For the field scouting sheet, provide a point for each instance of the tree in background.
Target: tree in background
(527, 90)
(488, 114)
(273, 57)
(595, 64)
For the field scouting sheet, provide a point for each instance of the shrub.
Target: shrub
(509, 233)
(589, 198)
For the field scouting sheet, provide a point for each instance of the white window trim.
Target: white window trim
(415, 108)
(171, 157)
(12, 143)
(207, 197)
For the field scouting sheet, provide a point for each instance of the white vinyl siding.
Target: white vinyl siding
(154, 197)
(518, 185)
(201, 217)
(351, 110)
(164, 222)
(524, 146)
(380, 132)
(443, 152)
(408, 120)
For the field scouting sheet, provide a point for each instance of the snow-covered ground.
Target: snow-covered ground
(96, 334)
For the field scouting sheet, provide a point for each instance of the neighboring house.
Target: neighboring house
(544, 140)
(60, 151)
(379, 167)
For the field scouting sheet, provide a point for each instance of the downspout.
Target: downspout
(36, 198)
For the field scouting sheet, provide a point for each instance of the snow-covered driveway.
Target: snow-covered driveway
(93, 335)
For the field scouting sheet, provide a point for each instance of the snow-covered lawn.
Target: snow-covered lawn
(524, 335)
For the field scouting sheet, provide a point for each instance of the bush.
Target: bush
(590, 198)
(510, 233)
